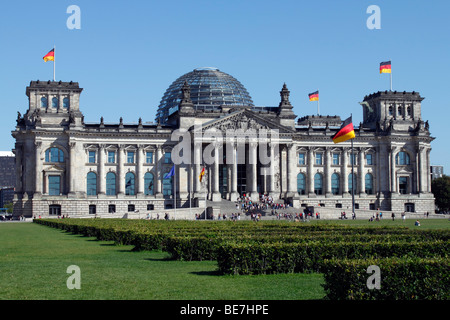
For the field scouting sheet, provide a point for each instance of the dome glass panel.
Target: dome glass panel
(210, 89)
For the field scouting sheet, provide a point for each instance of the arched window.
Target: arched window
(129, 184)
(335, 183)
(350, 183)
(44, 102)
(400, 113)
(318, 183)
(54, 155)
(55, 103)
(301, 183)
(391, 112)
(111, 184)
(408, 111)
(66, 103)
(91, 180)
(148, 184)
(402, 158)
(167, 186)
(369, 183)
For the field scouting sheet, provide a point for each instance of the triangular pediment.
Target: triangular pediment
(54, 168)
(244, 121)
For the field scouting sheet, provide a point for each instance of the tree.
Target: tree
(441, 190)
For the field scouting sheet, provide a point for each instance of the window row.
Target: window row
(131, 157)
(130, 184)
(55, 103)
(335, 159)
(335, 183)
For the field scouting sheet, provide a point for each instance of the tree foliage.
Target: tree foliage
(441, 190)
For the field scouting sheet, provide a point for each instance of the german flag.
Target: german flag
(385, 67)
(202, 174)
(50, 56)
(346, 132)
(314, 96)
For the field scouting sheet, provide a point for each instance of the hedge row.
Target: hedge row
(238, 258)
(399, 279)
(414, 263)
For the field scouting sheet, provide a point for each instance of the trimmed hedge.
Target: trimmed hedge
(400, 279)
(238, 258)
(414, 263)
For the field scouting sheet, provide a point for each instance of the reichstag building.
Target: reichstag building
(231, 148)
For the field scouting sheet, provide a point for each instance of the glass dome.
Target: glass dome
(210, 88)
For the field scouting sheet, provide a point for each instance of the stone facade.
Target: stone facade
(65, 165)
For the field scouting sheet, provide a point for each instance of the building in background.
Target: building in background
(436, 172)
(65, 165)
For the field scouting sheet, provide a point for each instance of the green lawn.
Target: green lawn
(34, 261)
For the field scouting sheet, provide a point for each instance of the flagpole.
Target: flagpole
(353, 177)
(318, 109)
(54, 61)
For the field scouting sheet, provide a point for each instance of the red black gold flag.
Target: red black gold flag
(346, 132)
(385, 67)
(314, 96)
(202, 174)
(50, 56)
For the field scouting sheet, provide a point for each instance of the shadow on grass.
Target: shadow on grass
(207, 273)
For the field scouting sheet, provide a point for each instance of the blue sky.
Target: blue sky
(127, 53)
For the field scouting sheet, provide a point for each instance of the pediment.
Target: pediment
(244, 121)
(54, 168)
(404, 170)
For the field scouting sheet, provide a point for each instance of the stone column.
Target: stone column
(101, 177)
(310, 172)
(327, 171)
(291, 170)
(140, 170)
(216, 196)
(197, 168)
(345, 173)
(392, 173)
(158, 173)
(234, 169)
(421, 169)
(38, 168)
(252, 153)
(121, 172)
(71, 168)
(361, 174)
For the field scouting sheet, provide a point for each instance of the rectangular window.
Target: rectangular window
(301, 159)
(92, 209)
(369, 160)
(150, 207)
(54, 209)
(336, 158)
(319, 158)
(91, 156)
(111, 157)
(149, 157)
(131, 208)
(403, 185)
(168, 157)
(112, 208)
(54, 185)
(130, 157)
